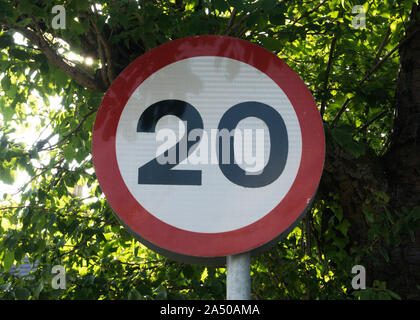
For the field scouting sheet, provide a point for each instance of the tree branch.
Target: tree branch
(230, 29)
(232, 17)
(106, 48)
(81, 78)
(382, 46)
(104, 75)
(71, 132)
(327, 76)
(370, 73)
(377, 117)
(309, 12)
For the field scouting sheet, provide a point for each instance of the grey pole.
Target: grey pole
(238, 276)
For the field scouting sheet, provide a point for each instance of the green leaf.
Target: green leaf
(393, 294)
(5, 39)
(69, 152)
(343, 227)
(6, 8)
(162, 294)
(268, 5)
(368, 213)
(220, 5)
(38, 289)
(277, 18)
(79, 28)
(238, 4)
(334, 14)
(5, 286)
(5, 175)
(415, 213)
(19, 54)
(60, 78)
(8, 112)
(19, 253)
(344, 137)
(393, 26)
(188, 271)
(384, 254)
(133, 294)
(5, 82)
(9, 257)
(272, 44)
(12, 91)
(22, 294)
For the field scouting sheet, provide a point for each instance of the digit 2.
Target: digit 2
(155, 173)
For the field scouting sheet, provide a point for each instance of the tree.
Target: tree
(367, 210)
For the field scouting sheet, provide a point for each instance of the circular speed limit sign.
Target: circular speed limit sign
(208, 146)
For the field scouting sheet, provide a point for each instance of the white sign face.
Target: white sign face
(212, 85)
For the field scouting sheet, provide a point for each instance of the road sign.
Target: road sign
(208, 146)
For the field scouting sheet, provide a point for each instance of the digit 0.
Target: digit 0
(278, 144)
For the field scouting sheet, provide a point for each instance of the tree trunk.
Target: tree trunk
(396, 174)
(403, 160)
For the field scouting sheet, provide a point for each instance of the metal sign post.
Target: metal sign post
(238, 276)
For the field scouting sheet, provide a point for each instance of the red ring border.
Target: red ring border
(196, 244)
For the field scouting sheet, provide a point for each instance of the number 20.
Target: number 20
(155, 173)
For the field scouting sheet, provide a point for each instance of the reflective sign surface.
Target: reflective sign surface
(208, 146)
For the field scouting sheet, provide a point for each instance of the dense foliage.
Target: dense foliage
(52, 83)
